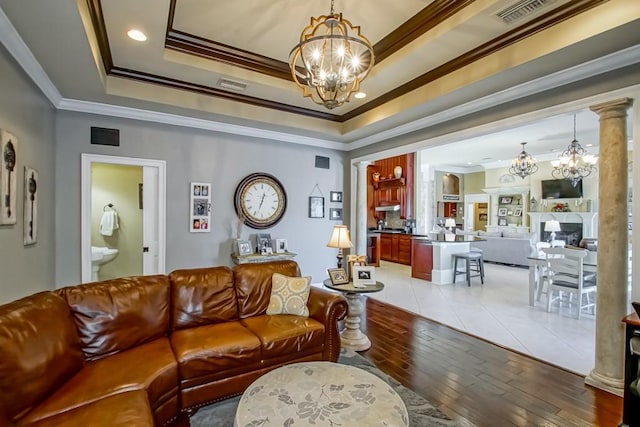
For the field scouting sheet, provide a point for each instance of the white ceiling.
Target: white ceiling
(173, 71)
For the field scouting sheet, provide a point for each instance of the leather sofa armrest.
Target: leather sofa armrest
(328, 308)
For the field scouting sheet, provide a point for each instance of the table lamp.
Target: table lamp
(552, 226)
(340, 238)
(449, 223)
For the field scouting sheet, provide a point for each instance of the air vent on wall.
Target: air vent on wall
(232, 85)
(521, 9)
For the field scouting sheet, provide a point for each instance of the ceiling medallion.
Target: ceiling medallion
(523, 165)
(574, 162)
(331, 60)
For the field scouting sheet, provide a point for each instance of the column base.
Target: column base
(611, 385)
(355, 340)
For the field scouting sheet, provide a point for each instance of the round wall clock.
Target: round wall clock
(261, 200)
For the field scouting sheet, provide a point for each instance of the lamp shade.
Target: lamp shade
(340, 238)
(552, 225)
(449, 222)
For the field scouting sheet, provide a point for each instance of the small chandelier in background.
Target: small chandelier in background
(574, 163)
(331, 60)
(523, 165)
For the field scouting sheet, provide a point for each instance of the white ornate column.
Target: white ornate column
(361, 208)
(611, 298)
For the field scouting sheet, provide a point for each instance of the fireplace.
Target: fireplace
(570, 232)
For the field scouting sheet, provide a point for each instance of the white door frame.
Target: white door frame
(85, 205)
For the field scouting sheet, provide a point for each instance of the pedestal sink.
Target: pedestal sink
(100, 255)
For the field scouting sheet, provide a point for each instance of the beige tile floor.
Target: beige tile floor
(497, 311)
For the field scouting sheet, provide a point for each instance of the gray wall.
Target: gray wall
(28, 115)
(203, 156)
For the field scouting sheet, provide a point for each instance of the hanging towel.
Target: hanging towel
(109, 222)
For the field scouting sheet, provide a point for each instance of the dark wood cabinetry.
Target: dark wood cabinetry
(387, 190)
(395, 248)
(631, 408)
(422, 259)
(373, 249)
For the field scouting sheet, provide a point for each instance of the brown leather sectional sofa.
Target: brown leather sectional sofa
(143, 351)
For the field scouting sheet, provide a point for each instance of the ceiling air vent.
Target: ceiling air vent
(232, 85)
(521, 9)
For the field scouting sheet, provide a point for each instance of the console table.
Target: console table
(257, 258)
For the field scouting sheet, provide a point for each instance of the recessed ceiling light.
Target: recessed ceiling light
(137, 35)
(360, 95)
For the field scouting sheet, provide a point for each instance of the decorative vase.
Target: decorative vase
(397, 171)
(376, 176)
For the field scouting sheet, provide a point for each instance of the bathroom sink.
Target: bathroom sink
(100, 255)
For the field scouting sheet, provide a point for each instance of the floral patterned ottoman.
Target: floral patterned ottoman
(320, 394)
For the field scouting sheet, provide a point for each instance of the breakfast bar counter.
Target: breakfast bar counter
(439, 269)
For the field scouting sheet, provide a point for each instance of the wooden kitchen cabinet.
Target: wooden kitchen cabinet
(389, 190)
(404, 249)
(395, 248)
(385, 247)
(422, 260)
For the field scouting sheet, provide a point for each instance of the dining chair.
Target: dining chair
(565, 273)
(543, 274)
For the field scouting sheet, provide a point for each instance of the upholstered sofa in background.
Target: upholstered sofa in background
(149, 350)
(506, 247)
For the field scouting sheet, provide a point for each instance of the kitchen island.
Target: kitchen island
(430, 256)
(433, 257)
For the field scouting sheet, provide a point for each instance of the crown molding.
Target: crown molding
(588, 69)
(178, 120)
(23, 56)
(21, 53)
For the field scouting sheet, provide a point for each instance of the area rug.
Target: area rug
(421, 412)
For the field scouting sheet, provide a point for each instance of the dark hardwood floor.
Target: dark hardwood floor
(484, 383)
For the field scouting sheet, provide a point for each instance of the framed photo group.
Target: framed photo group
(200, 207)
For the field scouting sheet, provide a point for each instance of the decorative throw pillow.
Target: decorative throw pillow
(289, 295)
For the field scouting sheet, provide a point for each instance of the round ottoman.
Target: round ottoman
(320, 394)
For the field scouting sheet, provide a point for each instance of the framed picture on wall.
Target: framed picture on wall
(316, 207)
(335, 196)
(517, 212)
(505, 200)
(502, 211)
(502, 221)
(335, 213)
(200, 207)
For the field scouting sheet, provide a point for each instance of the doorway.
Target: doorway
(150, 199)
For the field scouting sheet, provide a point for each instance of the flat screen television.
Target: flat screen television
(560, 189)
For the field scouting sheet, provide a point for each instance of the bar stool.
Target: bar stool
(473, 262)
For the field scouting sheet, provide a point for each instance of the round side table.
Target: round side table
(351, 336)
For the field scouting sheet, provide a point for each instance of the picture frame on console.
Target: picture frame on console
(364, 275)
(338, 276)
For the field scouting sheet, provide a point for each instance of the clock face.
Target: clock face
(261, 200)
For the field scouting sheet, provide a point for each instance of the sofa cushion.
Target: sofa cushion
(515, 235)
(213, 349)
(202, 296)
(39, 351)
(130, 409)
(253, 284)
(151, 367)
(490, 233)
(289, 295)
(284, 334)
(118, 314)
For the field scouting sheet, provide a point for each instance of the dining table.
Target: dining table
(538, 260)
